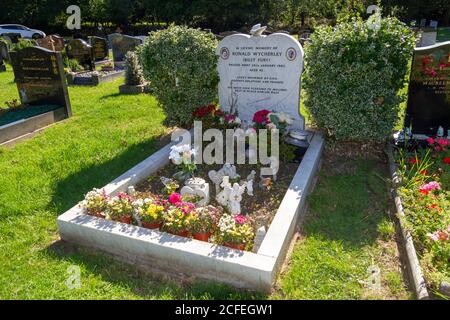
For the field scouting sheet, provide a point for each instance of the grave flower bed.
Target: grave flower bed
(229, 217)
(425, 194)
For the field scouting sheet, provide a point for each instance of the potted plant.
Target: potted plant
(178, 216)
(151, 212)
(95, 203)
(120, 208)
(235, 231)
(204, 221)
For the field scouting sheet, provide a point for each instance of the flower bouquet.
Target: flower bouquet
(183, 157)
(235, 231)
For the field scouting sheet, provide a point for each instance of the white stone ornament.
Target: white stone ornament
(235, 199)
(257, 30)
(197, 187)
(217, 176)
(260, 72)
(223, 196)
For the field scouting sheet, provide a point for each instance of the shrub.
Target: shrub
(353, 76)
(181, 65)
(22, 44)
(133, 70)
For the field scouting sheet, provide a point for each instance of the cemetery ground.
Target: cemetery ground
(347, 227)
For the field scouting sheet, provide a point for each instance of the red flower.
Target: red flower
(443, 142)
(204, 111)
(413, 161)
(430, 140)
(261, 116)
(446, 160)
(423, 191)
(435, 206)
(240, 219)
(424, 172)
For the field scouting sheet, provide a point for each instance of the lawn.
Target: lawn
(346, 230)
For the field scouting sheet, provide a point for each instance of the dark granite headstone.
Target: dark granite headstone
(121, 44)
(39, 75)
(2, 65)
(429, 90)
(79, 50)
(13, 37)
(99, 48)
(52, 42)
(4, 50)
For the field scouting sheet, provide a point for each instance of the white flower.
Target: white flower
(237, 120)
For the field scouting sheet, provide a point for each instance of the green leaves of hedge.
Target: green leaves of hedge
(353, 77)
(181, 65)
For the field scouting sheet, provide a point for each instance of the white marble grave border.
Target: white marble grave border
(155, 250)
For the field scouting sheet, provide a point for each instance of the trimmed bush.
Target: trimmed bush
(133, 70)
(181, 65)
(353, 76)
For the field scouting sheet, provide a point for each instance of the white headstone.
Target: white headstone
(261, 72)
(433, 24)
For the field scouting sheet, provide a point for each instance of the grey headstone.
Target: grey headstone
(121, 44)
(81, 51)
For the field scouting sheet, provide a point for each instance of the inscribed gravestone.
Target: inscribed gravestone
(40, 79)
(99, 48)
(261, 72)
(121, 44)
(79, 50)
(429, 90)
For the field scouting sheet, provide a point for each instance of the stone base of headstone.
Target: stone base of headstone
(128, 89)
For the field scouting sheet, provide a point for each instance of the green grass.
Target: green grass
(108, 134)
(443, 34)
(341, 237)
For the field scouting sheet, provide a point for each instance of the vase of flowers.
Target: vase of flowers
(151, 212)
(204, 221)
(183, 157)
(235, 231)
(120, 208)
(95, 203)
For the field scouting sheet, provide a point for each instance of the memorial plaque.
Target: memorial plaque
(52, 42)
(261, 72)
(40, 79)
(429, 90)
(121, 44)
(79, 50)
(99, 48)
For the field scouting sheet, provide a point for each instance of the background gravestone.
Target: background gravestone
(13, 37)
(2, 65)
(261, 72)
(429, 90)
(121, 44)
(52, 42)
(40, 79)
(79, 50)
(4, 50)
(99, 48)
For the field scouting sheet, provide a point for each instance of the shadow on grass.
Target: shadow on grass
(155, 284)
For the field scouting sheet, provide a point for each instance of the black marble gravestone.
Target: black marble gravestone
(99, 48)
(121, 44)
(79, 50)
(429, 90)
(40, 79)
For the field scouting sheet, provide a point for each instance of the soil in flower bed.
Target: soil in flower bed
(260, 208)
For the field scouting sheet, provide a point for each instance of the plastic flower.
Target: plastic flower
(430, 140)
(446, 160)
(442, 142)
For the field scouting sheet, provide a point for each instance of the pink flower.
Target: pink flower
(186, 207)
(430, 140)
(433, 236)
(430, 186)
(443, 142)
(175, 198)
(240, 219)
(413, 161)
(230, 117)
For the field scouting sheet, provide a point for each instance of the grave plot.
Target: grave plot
(90, 56)
(39, 75)
(420, 167)
(229, 223)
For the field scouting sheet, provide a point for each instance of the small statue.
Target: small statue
(235, 198)
(440, 132)
(217, 176)
(223, 196)
(197, 187)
